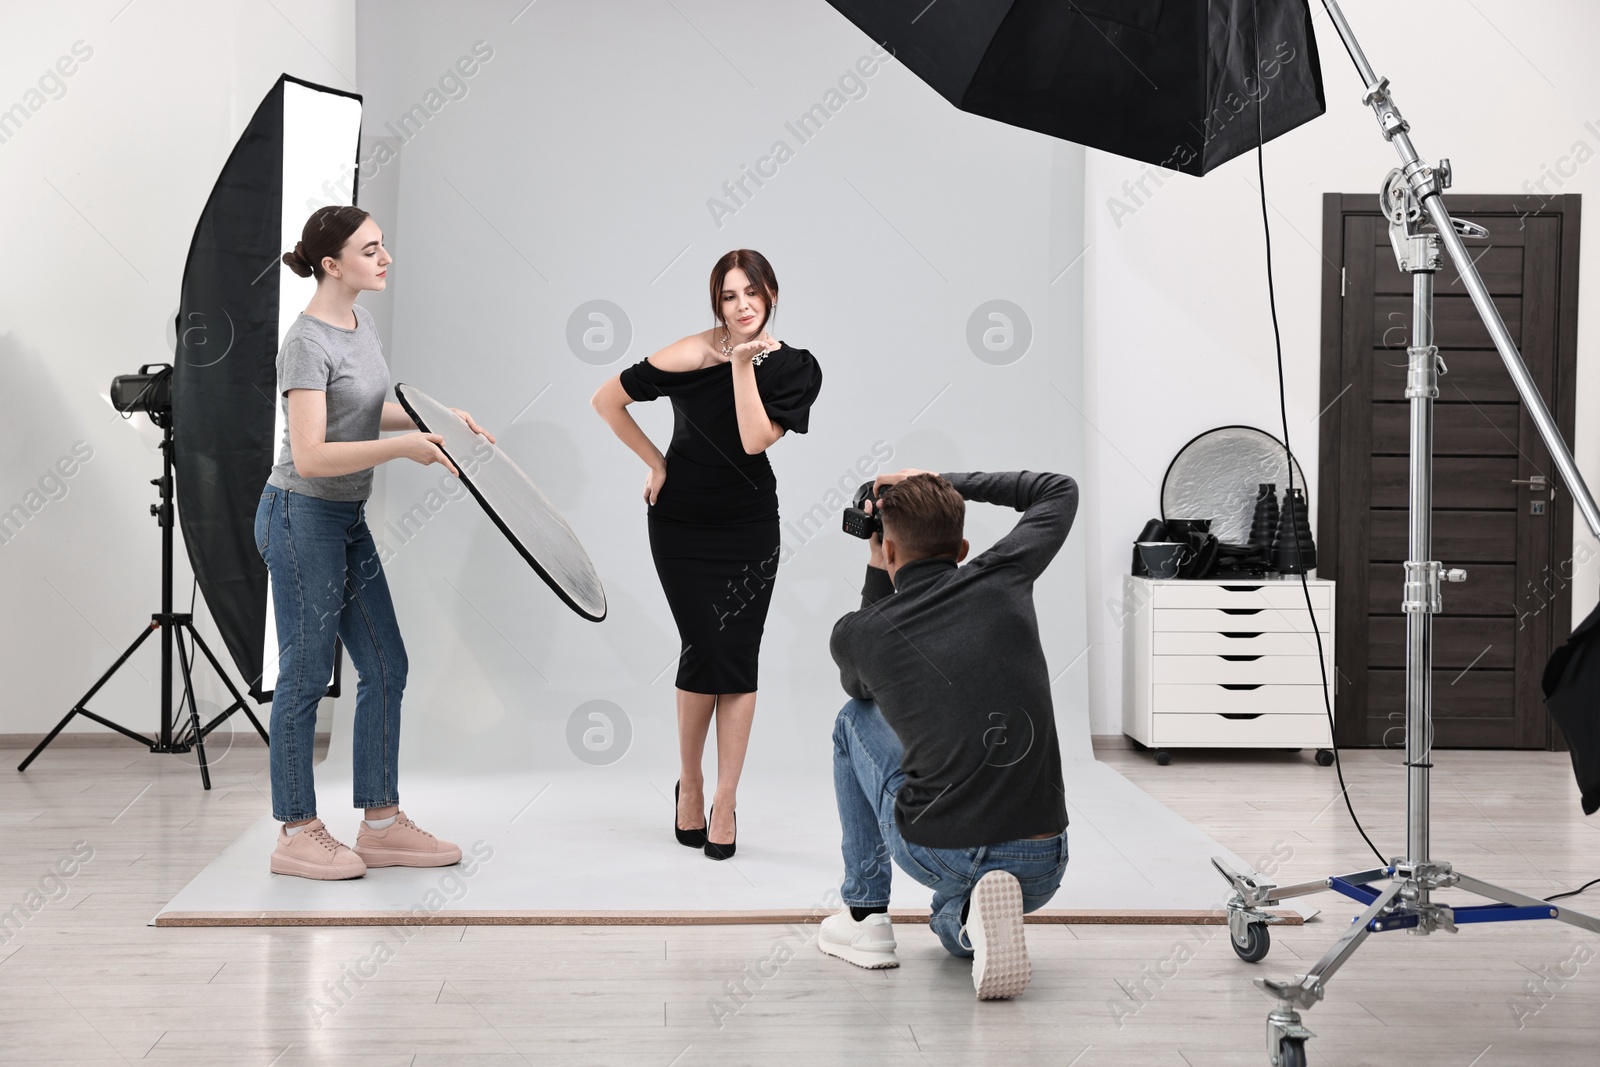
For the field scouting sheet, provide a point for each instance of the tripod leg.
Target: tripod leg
(239, 701)
(194, 715)
(79, 706)
(49, 737)
(1521, 900)
(1283, 1022)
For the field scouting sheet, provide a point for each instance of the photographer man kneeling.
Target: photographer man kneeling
(946, 758)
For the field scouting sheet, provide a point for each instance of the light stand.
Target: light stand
(171, 624)
(1406, 903)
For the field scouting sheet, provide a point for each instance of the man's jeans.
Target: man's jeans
(327, 582)
(866, 777)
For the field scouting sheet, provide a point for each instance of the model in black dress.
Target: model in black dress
(713, 515)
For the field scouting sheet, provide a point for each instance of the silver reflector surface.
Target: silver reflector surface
(1216, 476)
(516, 505)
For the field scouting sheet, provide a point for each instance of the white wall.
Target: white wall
(1177, 337)
(102, 185)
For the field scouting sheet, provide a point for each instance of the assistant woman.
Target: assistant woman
(713, 516)
(327, 577)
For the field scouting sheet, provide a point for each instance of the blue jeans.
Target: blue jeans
(866, 777)
(327, 583)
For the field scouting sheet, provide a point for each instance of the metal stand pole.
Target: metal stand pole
(1421, 599)
(1410, 194)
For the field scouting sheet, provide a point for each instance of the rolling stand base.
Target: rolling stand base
(1404, 904)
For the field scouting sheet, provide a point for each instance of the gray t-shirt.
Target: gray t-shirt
(348, 365)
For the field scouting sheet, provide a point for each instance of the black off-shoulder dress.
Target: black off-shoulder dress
(714, 526)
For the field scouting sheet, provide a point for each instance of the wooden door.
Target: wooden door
(1513, 540)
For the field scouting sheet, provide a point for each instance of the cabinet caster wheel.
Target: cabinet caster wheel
(1163, 757)
(1257, 942)
(1292, 1052)
(1324, 757)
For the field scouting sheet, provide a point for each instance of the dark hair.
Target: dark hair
(756, 268)
(924, 514)
(324, 234)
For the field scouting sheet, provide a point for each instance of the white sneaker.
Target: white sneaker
(868, 943)
(1000, 967)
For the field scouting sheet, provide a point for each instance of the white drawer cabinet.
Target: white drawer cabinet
(1226, 664)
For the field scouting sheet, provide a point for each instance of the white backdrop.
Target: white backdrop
(575, 164)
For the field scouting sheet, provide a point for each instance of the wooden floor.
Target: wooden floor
(84, 980)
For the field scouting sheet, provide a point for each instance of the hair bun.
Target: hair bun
(295, 260)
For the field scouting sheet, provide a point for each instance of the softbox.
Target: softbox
(297, 153)
(1571, 684)
(1169, 82)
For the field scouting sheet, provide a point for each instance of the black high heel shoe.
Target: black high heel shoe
(692, 838)
(720, 851)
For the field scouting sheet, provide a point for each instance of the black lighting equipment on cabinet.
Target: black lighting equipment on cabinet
(1264, 520)
(1125, 76)
(1293, 551)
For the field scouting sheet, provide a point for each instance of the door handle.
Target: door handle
(1537, 481)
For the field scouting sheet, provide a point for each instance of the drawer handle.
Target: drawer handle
(1238, 636)
(1239, 715)
(1240, 685)
(1242, 611)
(1241, 588)
(1241, 659)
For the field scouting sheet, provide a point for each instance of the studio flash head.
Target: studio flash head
(149, 391)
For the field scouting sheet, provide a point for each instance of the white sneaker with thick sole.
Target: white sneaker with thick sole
(1000, 966)
(868, 943)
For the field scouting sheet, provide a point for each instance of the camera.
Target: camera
(857, 521)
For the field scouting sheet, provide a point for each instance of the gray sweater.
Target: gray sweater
(951, 655)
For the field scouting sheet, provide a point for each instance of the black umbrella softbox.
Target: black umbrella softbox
(1571, 686)
(1170, 82)
(297, 152)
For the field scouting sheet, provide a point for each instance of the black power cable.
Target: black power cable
(1575, 892)
(1283, 408)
